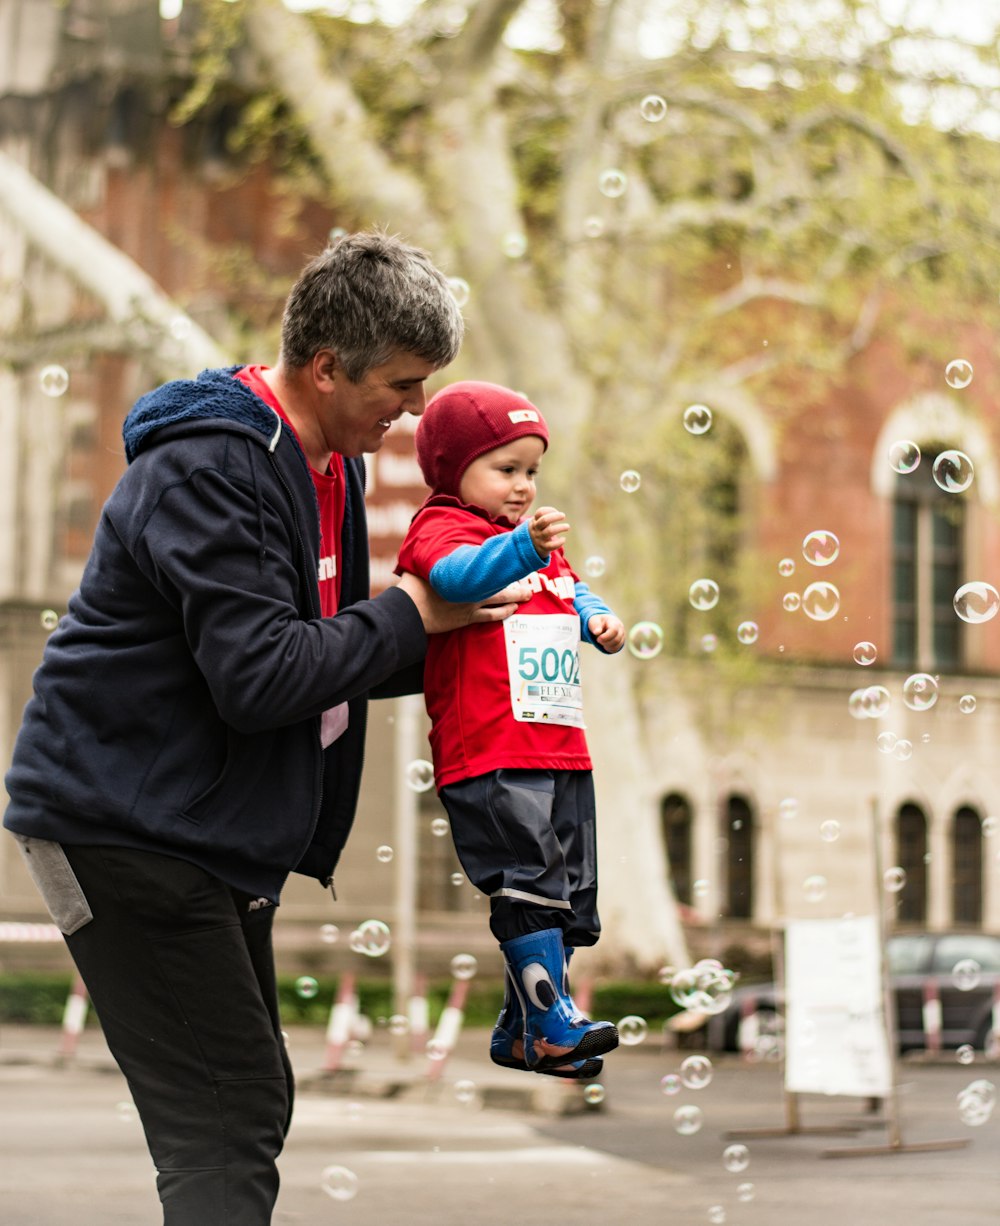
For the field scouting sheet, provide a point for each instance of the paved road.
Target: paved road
(73, 1154)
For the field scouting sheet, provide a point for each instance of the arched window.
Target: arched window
(967, 867)
(911, 857)
(738, 838)
(675, 822)
(927, 570)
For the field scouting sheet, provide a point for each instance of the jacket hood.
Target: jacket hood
(214, 394)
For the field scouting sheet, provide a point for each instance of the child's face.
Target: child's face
(502, 481)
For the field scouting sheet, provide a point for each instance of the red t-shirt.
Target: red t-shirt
(467, 685)
(330, 494)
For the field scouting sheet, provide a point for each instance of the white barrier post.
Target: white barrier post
(448, 1029)
(74, 1018)
(932, 1017)
(419, 1017)
(749, 1027)
(340, 1024)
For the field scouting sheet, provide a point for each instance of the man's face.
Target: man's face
(358, 415)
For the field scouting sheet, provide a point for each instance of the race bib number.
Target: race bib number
(543, 662)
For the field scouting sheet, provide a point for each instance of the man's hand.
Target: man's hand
(440, 615)
(549, 529)
(607, 630)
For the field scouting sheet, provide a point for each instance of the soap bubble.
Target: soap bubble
(814, 888)
(457, 879)
(894, 879)
(696, 1072)
(399, 1025)
(920, 692)
(688, 1120)
(965, 1054)
(953, 471)
(630, 481)
(306, 987)
(703, 594)
(716, 1215)
(966, 974)
(747, 632)
(977, 602)
(49, 619)
(373, 938)
(788, 808)
(976, 1102)
(744, 1192)
(904, 456)
(967, 704)
(594, 1094)
(671, 1084)
(613, 183)
(958, 373)
(439, 827)
(865, 653)
(903, 750)
(632, 1030)
(593, 227)
(460, 291)
(329, 933)
(697, 418)
(829, 831)
(736, 1158)
(821, 601)
(786, 567)
(699, 888)
(653, 108)
(420, 775)
(339, 1183)
(820, 548)
(645, 640)
(180, 327)
(876, 701)
(709, 642)
(383, 854)
(791, 602)
(886, 742)
(514, 245)
(53, 380)
(464, 966)
(594, 567)
(335, 235)
(465, 1091)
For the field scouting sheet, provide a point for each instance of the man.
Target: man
(197, 727)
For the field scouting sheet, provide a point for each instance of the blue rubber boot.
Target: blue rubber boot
(554, 1031)
(507, 1043)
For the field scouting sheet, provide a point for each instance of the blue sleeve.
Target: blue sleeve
(473, 572)
(587, 604)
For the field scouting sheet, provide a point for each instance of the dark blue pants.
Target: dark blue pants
(527, 839)
(181, 974)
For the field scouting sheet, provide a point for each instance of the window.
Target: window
(911, 853)
(967, 867)
(738, 836)
(675, 822)
(927, 562)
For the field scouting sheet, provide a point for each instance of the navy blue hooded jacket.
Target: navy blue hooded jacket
(177, 706)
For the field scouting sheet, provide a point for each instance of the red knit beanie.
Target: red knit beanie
(465, 420)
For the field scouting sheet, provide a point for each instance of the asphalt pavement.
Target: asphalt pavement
(474, 1145)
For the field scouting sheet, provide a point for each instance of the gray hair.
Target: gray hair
(366, 297)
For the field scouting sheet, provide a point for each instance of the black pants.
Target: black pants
(181, 974)
(528, 839)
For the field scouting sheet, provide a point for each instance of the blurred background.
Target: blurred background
(744, 256)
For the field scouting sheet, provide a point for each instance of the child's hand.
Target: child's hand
(549, 529)
(607, 630)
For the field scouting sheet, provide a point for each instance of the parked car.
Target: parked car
(959, 969)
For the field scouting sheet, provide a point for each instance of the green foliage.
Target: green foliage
(38, 998)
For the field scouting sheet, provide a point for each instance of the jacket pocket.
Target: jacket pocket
(53, 875)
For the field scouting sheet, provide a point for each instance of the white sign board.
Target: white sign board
(836, 1039)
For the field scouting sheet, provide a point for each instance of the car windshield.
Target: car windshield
(908, 954)
(957, 947)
